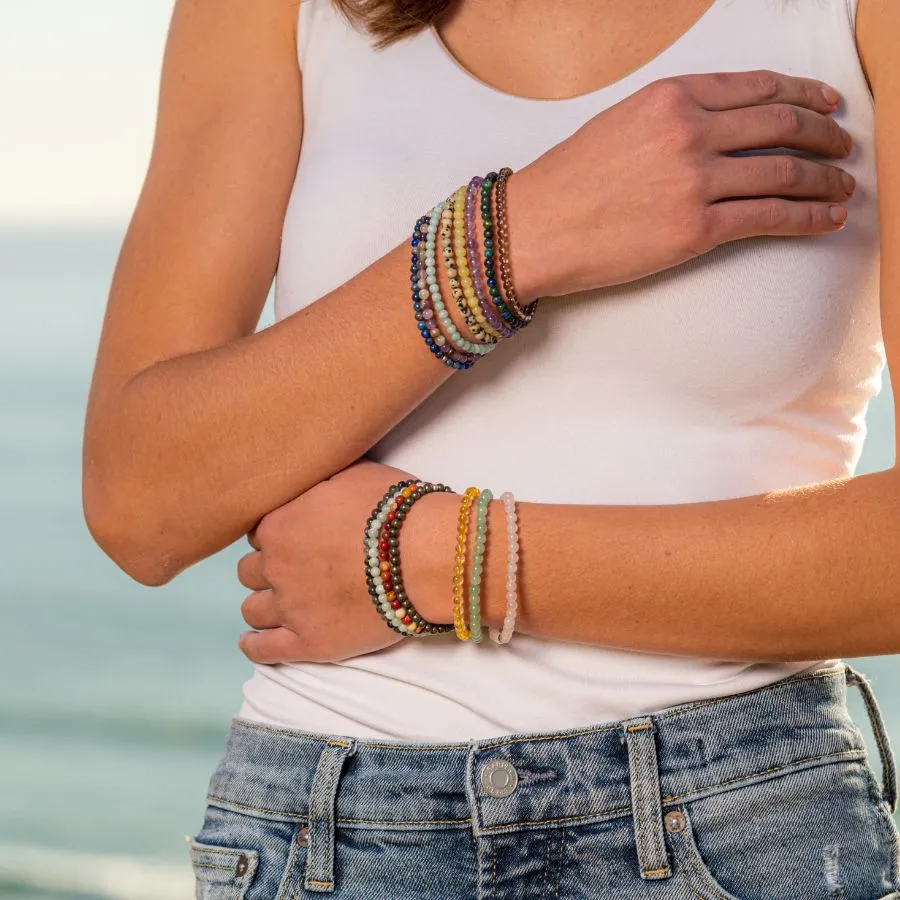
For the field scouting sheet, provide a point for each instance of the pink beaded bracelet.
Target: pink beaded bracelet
(504, 635)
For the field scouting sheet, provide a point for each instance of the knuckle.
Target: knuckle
(695, 186)
(267, 531)
(773, 214)
(698, 232)
(763, 83)
(787, 119)
(788, 172)
(669, 94)
(681, 133)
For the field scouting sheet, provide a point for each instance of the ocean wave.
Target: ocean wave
(94, 875)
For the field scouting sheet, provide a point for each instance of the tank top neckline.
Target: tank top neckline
(451, 61)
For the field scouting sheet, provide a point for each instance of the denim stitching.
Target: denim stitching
(686, 856)
(213, 866)
(547, 863)
(600, 815)
(647, 809)
(493, 867)
(561, 859)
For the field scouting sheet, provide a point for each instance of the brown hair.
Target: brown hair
(390, 20)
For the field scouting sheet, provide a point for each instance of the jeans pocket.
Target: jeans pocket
(222, 873)
(237, 856)
(812, 833)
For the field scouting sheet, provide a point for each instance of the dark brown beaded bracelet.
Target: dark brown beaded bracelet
(490, 256)
(384, 577)
(509, 291)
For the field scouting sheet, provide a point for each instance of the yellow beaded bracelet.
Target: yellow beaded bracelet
(462, 539)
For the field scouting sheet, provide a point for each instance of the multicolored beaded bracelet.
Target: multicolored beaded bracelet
(509, 291)
(424, 312)
(481, 507)
(453, 216)
(490, 264)
(493, 323)
(504, 634)
(462, 265)
(432, 291)
(462, 540)
(384, 577)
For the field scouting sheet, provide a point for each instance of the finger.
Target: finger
(260, 611)
(278, 645)
(778, 125)
(732, 220)
(730, 90)
(779, 176)
(250, 572)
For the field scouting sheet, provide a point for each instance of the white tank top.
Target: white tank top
(744, 371)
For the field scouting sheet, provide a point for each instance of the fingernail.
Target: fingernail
(832, 97)
(838, 214)
(848, 141)
(849, 182)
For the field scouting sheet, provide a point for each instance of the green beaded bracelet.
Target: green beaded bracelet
(483, 501)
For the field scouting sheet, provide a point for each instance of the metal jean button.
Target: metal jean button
(498, 778)
(674, 821)
(242, 865)
(303, 836)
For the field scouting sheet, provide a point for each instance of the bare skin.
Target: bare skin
(799, 574)
(197, 427)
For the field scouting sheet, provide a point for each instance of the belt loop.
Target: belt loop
(319, 875)
(888, 763)
(646, 797)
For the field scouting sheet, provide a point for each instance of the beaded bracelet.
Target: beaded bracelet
(460, 238)
(490, 266)
(424, 312)
(484, 500)
(491, 314)
(384, 577)
(509, 291)
(504, 635)
(493, 323)
(462, 539)
(457, 266)
(432, 291)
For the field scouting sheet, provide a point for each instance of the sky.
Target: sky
(78, 92)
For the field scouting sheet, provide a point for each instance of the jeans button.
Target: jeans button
(498, 778)
(242, 865)
(674, 821)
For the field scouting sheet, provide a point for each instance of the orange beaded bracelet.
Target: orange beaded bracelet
(462, 538)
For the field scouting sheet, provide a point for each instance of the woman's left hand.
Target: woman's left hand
(310, 602)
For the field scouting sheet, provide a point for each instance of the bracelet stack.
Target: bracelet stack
(384, 576)
(485, 297)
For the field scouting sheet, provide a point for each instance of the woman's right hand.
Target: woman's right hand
(651, 182)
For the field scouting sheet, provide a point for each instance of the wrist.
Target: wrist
(527, 244)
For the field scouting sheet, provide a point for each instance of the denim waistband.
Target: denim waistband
(539, 780)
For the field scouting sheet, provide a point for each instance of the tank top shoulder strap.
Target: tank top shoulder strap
(322, 35)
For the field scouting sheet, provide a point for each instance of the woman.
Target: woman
(669, 718)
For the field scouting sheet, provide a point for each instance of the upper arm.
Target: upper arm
(878, 31)
(202, 246)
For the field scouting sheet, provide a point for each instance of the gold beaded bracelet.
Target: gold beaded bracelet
(462, 538)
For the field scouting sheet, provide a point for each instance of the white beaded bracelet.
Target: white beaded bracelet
(512, 568)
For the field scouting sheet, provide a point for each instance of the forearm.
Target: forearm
(799, 574)
(196, 449)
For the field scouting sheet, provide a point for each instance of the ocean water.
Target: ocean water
(115, 698)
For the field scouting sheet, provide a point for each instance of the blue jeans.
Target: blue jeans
(764, 795)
